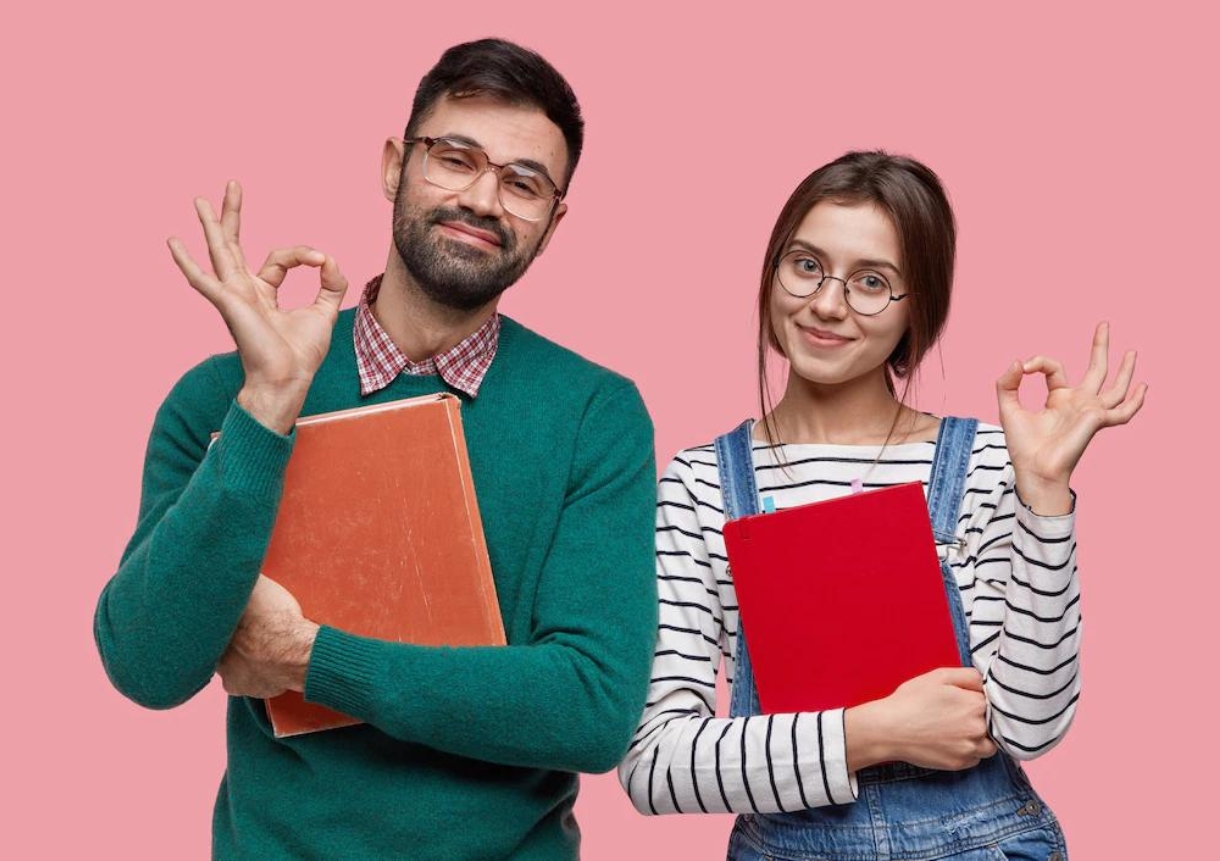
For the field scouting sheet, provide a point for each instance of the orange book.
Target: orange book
(378, 534)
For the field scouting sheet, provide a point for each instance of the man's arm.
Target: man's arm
(571, 697)
(167, 614)
(165, 618)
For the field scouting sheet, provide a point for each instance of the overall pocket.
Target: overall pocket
(1039, 844)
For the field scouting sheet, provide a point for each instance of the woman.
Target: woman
(854, 292)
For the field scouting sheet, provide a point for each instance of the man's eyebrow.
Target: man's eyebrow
(867, 262)
(533, 165)
(462, 139)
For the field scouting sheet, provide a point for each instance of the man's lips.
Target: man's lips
(468, 233)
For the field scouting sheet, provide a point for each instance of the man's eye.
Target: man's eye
(523, 187)
(453, 161)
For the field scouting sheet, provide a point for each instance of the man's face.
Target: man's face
(463, 248)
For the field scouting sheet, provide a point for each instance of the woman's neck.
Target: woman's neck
(860, 412)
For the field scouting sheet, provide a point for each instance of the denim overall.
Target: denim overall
(903, 811)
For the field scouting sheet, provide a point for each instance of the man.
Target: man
(467, 752)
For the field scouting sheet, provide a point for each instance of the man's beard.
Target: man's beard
(450, 272)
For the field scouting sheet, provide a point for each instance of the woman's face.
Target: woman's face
(826, 342)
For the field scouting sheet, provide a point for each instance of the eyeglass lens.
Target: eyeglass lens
(801, 274)
(455, 166)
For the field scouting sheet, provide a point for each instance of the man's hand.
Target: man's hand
(269, 652)
(280, 349)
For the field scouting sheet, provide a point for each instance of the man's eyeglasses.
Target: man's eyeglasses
(801, 275)
(456, 166)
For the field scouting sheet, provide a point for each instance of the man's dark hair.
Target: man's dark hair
(508, 72)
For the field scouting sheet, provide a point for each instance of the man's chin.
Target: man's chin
(460, 250)
(457, 299)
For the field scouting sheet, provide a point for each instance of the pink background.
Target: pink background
(1076, 145)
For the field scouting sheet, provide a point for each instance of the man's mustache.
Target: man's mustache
(491, 225)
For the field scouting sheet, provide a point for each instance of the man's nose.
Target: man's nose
(483, 196)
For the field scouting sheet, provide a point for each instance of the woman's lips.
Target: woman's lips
(822, 338)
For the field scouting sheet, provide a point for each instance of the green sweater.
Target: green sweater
(467, 752)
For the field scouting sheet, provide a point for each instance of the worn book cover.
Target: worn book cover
(378, 534)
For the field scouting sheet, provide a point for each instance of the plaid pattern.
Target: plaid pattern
(379, 360)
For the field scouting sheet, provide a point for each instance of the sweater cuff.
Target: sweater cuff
(835, 756)
(252, 456)
(1046, 527)
(341, 673)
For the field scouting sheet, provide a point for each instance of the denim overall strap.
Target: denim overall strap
(735, 461)
(954, 445)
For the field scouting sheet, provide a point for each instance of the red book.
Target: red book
(378, 534)
(842, 600)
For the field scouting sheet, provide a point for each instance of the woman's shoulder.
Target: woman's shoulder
(987, 428)
(693, 462)
(990, 465)
(702, 460)
(989, 441)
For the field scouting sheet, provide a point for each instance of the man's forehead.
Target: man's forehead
(506, 132)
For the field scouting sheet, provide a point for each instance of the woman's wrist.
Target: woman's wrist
(867, 737)
(1045, 497)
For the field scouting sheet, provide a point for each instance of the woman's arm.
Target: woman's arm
(1020, 589)
(1025, 563)
(683, 759)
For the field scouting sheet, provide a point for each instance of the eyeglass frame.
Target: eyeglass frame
(843, 281)
(556, 196)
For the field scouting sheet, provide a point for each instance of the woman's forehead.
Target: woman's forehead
(849, 232)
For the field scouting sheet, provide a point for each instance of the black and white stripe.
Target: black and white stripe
(1017, 576)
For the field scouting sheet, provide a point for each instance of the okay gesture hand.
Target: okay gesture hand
(280, 349)
(1045, 445)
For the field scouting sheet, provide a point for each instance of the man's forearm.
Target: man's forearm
(167, 615)
(548, 705)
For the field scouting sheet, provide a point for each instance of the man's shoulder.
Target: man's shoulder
(221, 371)
(558, 364)
(202, 395)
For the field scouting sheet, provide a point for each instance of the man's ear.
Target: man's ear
(392, 157)
(561, 209)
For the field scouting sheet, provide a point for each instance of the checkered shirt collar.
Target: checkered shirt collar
(379, 360)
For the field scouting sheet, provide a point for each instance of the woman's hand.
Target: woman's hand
(1045, 445)
(936, 720)
(280, 349)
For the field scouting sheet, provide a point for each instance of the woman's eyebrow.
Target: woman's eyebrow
(866, 262)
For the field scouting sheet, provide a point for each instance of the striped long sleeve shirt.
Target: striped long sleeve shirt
(1016, 572)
